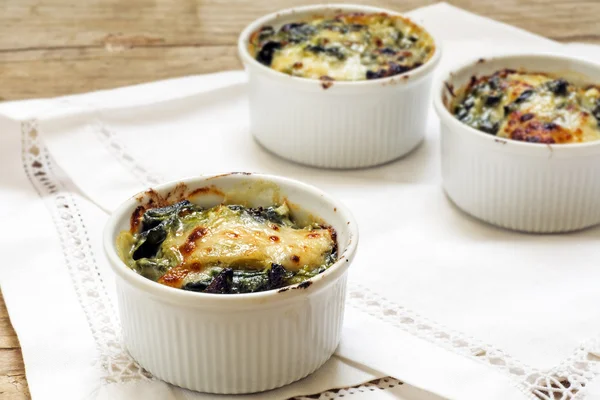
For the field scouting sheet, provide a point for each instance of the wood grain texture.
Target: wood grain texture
(13, 385)
(57, 47)
(100, 44)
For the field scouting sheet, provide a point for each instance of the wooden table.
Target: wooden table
(57, 47)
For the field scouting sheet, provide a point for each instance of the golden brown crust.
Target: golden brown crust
(535, 107)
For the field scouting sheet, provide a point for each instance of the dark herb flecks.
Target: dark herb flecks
(596, 111)
(489, 127)
(493, 99)
(221, 283)
(524, 96)
(377, 40)
(265, 55)
(559, 87)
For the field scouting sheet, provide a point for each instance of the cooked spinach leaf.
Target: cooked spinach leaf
(155, 216)
(148, 242)
(241, 281)
(152, 268)
(596, 111)
(221, 283)
(265, 55)
(278, 215)
(558, 86)
(277, 276)
(156, 224)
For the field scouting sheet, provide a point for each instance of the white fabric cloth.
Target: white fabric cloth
(449, 305)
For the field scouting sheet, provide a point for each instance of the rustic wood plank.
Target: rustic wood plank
(63, 23)
(8, 337)
(11, 362)
(13, 385)
(109, 43)
(34, 73)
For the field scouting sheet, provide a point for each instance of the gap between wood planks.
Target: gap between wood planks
(124, 43)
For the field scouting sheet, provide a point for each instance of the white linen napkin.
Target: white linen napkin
(59, 290)
(437, 299)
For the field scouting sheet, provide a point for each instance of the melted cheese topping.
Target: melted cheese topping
(240, 249)
(236, 239)
(346, 47)
(533, 107)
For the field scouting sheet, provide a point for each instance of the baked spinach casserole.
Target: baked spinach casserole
(530, 106)
(226, 249)
(344, 47)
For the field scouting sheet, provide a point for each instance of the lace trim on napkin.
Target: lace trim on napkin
(372, 386)
(565, 382)
(117, 365)
(119, 151)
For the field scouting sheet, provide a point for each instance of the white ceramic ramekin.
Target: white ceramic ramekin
(518, 185)
(348, 125)
(235, 343)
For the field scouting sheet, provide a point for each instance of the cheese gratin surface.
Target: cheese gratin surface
(531, 107)
(227, 248)
(345, 47)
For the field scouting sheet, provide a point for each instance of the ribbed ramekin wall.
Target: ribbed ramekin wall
(229, 351)
(325, 129)
(520, 191)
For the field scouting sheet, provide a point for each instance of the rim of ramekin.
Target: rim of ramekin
(446, 117)
(404, 78)
(190, 298)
